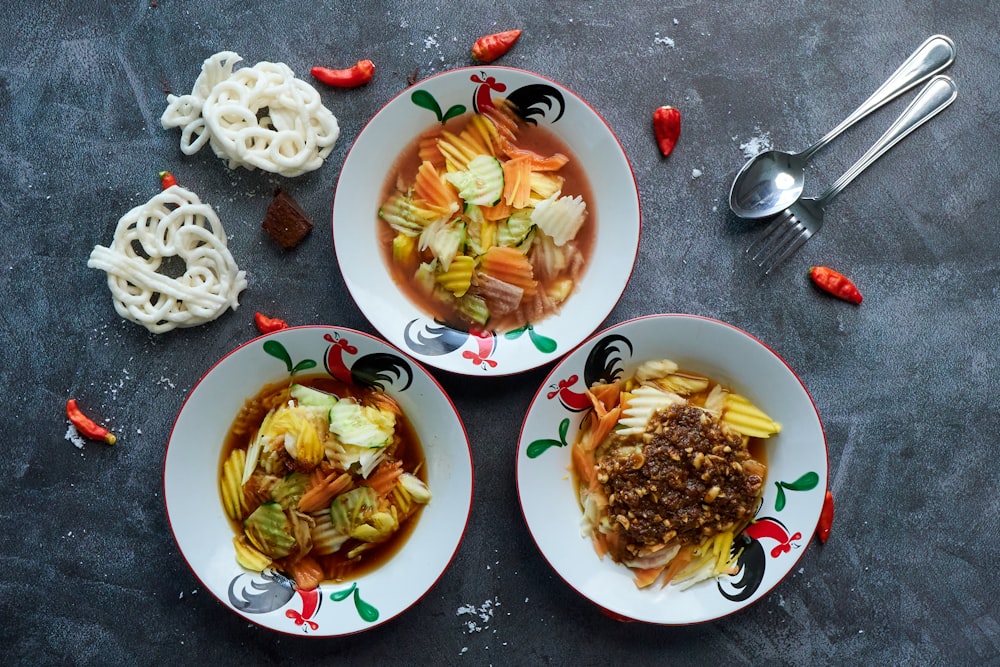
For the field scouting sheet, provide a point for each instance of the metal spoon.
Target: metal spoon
(772, 181)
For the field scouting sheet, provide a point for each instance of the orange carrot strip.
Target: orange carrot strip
(603, 425)
(307, 573)
(511, 266)
(323, 489)
(428, 150)
(538, 162)
(608, 394)
(431, 189)
(517, 182)
(583, 463)
(500, 211)
(679, 562)
(384, 477)
(645, 576)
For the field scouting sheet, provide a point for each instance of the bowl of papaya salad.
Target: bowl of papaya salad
(672, 469)
(486, 220)
(318, 481)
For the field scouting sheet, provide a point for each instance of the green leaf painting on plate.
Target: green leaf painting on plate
(806, 482)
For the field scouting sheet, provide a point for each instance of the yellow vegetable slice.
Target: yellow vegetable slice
(233, 499)
(458, 278)
(746, 418)
(248, 556)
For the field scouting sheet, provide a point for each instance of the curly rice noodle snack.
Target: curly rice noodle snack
(259, 117)
(174, 223)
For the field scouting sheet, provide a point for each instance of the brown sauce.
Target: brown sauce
(408, 450)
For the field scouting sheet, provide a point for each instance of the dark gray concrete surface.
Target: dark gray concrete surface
(906, 384)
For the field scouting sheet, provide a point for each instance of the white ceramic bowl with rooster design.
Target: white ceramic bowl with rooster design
(614, 213)
(794, 488)
(204, 533)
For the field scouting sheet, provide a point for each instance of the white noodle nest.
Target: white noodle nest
(256, 117)
(174, 223)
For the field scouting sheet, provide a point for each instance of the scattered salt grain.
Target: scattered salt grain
(696, 173)
(663, 41)
(483, 614)
(676, 22)
(756, 144)
(74, 436)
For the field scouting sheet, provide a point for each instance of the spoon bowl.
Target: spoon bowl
(770, 182)
(773, 180)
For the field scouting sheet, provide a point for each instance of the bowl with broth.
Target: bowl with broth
(317, 481)
(672, 469)
(486, 220)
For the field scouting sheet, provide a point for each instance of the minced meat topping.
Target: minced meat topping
(687, 477)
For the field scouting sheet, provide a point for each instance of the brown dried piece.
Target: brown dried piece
(285, 221)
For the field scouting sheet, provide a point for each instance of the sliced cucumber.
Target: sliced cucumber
(482, 183)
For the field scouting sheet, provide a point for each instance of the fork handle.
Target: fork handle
(931, 57)
(932, 100)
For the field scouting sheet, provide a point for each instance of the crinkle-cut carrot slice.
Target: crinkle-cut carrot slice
(384, 477)
(428, 151)
(324, 486)
(433, 191)
(511, 266)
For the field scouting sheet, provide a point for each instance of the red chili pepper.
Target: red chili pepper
(490, 47)
(352, 77)
(835, 283)
(86, 426)
(667, 128)
(267, 324)
(825, 518)
(167, 179)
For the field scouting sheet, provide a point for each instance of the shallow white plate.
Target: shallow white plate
(794, 489)
(402, 322)
(204, 535)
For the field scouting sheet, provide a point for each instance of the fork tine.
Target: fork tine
(791, 230)
(775, 226)
(790, 249)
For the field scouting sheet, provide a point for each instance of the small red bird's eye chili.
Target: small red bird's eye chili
(352, 77)
(267, 324)
(167, 179)
(825, 518)
(667, 128)
(86, 426)
(490, 47)
(835, 283)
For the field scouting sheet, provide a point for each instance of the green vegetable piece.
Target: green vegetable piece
(515, 230)
(312, 397)
(288, 491)
(482, 183)
(353, 508)
(474, 308)
(269, 530)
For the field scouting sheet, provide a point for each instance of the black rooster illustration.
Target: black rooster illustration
(536, 99)
(371, 370)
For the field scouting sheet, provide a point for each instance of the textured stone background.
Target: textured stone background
(906, 384)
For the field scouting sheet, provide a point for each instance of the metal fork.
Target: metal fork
(800, 221)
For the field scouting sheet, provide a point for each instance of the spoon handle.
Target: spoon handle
(931, 57)
(932, 100)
